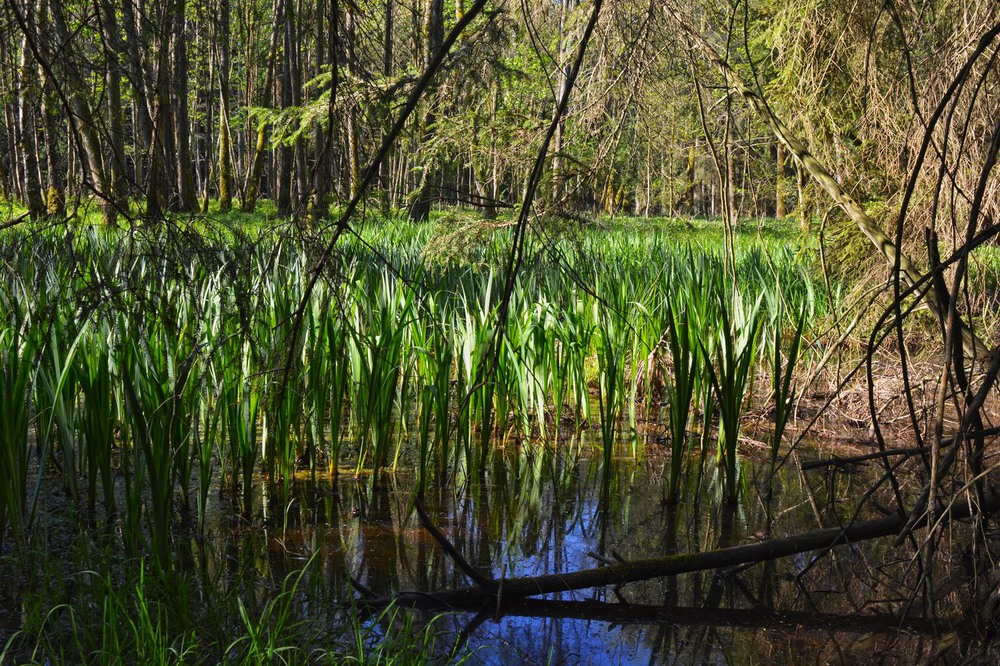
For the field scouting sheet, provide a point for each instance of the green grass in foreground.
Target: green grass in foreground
(179, 335)
(125, 613)
(152, 373)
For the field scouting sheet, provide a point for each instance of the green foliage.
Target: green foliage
(157, 372)
(731, 374)
(687, 366)
(462, 239)
(127, 614)
(183, 376)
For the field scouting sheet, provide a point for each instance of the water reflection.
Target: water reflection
(541, 510)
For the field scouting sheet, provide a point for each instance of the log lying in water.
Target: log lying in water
(846, 461)
(670, 565)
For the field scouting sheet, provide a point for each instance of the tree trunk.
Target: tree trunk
(8, 174)
(557, 139)
(141, 89)
(385, 168)
(353, 150)
(256, 166)
(285, 155)
(326, 52)
(82, 116)
(27, 100)
(433, 37)
(73, 96)
(158, 184)
(184, 165)
(225, 95)
(206, 98)
(55, 168)
(55, 191)
(113, 50)
(300, 167)
(779, 172)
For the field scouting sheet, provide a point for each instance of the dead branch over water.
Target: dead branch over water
(625, 572)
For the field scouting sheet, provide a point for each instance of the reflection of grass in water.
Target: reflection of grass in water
(178, 374)
(552, 515)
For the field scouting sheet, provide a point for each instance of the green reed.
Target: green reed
(162, 359)
(16, 353)
(687, 365)
(611, 334)
(731, 375)
(239, 401)
(99, 416)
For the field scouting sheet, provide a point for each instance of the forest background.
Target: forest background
(175, 106)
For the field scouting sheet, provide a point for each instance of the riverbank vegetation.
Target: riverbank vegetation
(148, 364)
(295, 294)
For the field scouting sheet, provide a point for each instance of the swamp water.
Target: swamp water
(541, 510)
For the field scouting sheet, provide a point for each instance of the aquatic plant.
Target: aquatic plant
(731, 373)
(686, 368)
(16, 353)
(161, 365)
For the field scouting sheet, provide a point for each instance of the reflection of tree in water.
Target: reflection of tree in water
(823, 606)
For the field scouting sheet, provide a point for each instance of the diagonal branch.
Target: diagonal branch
(633, 571)
(484, 582)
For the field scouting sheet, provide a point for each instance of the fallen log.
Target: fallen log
(844, 461)
(634, 571)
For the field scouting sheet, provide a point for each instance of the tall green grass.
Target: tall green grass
(154, 365)
(731, 375)
(16, 353)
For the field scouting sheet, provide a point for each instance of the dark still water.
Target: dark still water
(541, 511)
